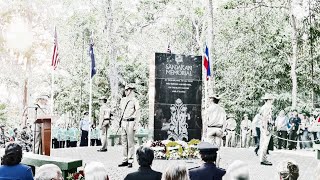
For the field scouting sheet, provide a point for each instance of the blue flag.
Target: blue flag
(93, 62)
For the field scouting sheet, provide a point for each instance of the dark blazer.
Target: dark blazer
(207, 171)
(144, 173)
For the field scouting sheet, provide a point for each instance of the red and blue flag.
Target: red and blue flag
(206, 62)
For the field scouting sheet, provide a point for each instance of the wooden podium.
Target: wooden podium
(45, 122)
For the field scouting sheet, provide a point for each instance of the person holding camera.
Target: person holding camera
(104, 122)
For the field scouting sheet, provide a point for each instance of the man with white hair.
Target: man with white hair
(48, 172)
(238, 170)
(95, 171)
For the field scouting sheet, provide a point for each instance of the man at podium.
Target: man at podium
(41, 110)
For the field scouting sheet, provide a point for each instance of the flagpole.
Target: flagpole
(52, 91)
(90, 108)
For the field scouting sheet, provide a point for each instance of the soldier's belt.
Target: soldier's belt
(215, 126)
(229, 130)
(131, 119)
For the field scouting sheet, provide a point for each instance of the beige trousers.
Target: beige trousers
(104, 137)
(128, 141)
(214, 136)
(264, 142)
(231, 139)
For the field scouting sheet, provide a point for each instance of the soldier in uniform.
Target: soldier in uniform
(266, 119)
(215, 122)
(245, 131)
(130, 116)
(104, 122)
(208, 170)
(231, 125)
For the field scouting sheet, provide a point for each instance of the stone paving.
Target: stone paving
(306, 160)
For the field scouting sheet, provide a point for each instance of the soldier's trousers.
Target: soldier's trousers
(104, 137)
(214, 136)
(245, 137)
(264, 142)
(231, 138)
(128, 141)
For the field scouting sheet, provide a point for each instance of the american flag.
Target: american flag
(206, 62)
(168, 49)
(55, 55)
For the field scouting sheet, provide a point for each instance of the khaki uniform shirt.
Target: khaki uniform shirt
(246, 125)
(215, 116)
(266, 115)
(231, 124)
(130, 108)
(104, 113)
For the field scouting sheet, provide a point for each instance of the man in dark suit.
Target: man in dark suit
(208, 170)
(145, 157)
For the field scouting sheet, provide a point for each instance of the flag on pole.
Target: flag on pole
(93, 62)
(55, 55)
(206, 62)
(168, 49)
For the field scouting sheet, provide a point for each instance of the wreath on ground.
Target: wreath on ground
(175, 149)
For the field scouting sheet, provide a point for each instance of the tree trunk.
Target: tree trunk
(113, 68)
(293, 63)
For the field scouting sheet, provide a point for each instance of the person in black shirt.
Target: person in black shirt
(145, 157)
(293, 127)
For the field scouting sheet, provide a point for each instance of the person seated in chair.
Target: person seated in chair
(145, 157)
(11, 168)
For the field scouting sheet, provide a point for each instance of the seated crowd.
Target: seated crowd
(11, 168)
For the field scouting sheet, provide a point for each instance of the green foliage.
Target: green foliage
(3, 114)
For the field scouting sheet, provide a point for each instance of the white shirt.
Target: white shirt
(266, 115)
(245, 125)
(281, 123)
(216, 116)
(256, 122)
(85, 124)
(231, 124)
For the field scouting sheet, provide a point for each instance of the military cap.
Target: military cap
(103, 98)
(268, 96)
(205, 147)
(216, 96)
(13, 148)
(43, 96)
(245, 114)
(85, 113)
(231, 116)
(130, 86)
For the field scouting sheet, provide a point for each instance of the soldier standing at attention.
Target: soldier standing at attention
(231, 125)
(208, 170)
(215, 122)
(266, 119)
(245, 131)
(104, 122)
(130, 112)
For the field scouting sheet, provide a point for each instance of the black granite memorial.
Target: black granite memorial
(177, 97)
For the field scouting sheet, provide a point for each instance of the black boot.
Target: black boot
(123, 164)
